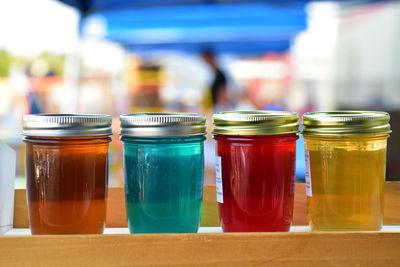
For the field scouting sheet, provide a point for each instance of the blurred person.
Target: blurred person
(34, 103)
(219, 91)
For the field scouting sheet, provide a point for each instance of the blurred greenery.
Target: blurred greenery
(55, 62)
(6, 60)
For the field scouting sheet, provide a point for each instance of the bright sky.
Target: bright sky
(29, 27)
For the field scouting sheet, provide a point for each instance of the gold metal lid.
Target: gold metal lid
(162, 124)
(255, 122)
(346, 123)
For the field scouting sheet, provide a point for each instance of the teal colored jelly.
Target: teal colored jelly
(163, 183)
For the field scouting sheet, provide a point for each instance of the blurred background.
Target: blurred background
(115, 57)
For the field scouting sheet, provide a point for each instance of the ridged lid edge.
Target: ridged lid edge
(346, 122)
(67, 125)
(255, 122)
(162, 124)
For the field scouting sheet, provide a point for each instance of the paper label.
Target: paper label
(308, 175)
(218, 179)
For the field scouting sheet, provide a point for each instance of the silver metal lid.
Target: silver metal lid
(67, 125)
(162, 124)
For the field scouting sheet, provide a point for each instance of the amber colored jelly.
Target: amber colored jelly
(347, 175)
(67, 184)
(258, 175)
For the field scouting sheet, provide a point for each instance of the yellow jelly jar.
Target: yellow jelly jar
(345, 169)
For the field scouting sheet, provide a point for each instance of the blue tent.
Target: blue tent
(225, 25)
(243, 48)
(93, 6)
(192, 25)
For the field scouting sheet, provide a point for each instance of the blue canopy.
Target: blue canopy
(190, 25)
(93, 6)
(243, 48)
(199, 24)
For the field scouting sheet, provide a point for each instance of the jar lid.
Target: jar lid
(162, 124)
(255, 122)
(346, 123)
(67, 125)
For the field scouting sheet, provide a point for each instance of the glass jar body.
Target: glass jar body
(163, 183)
(66, 181)
(258, 176)
(345, 180)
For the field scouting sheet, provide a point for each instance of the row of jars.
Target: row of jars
(67, 170)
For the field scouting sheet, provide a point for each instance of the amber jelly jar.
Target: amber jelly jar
(67, 172)
(345, 169)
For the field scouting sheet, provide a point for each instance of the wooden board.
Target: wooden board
(241, 249)
(392, 203)
(116, 207)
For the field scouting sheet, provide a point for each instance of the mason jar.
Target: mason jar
(164, 171)
(345, 169)
(67, 172)
(255, 169)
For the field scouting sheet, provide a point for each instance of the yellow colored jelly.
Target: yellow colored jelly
(345, 163)
(347, 179)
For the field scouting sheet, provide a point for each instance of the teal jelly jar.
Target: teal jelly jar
(164, 171)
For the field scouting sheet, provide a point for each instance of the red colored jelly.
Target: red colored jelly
(258, 176)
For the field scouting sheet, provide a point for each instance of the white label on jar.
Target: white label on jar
(308, 175)
(218, 179)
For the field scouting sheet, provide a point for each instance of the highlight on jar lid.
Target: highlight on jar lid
(255, 122)
(67, 125)
(346, 123)
(162, 124)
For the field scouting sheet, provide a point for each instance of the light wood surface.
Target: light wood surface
(116, 207)
(241, 249)
(20, 209)
(392, 204)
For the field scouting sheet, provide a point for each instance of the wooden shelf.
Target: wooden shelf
(210, 247)
(206, 249)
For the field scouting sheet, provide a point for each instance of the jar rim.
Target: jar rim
(166, 124)
(67, 125)
(346, 122)
(255, 122)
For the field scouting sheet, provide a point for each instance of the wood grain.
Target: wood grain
(116, 213)
(392, 203)
(240, 249)
(116, 207)
(209, 215)
(20, 209)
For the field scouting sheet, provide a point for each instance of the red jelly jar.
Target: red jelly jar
(255, 169)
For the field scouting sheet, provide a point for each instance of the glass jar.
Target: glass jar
(164, 171)
(255, 169)
(67, 172)
(345, 169)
